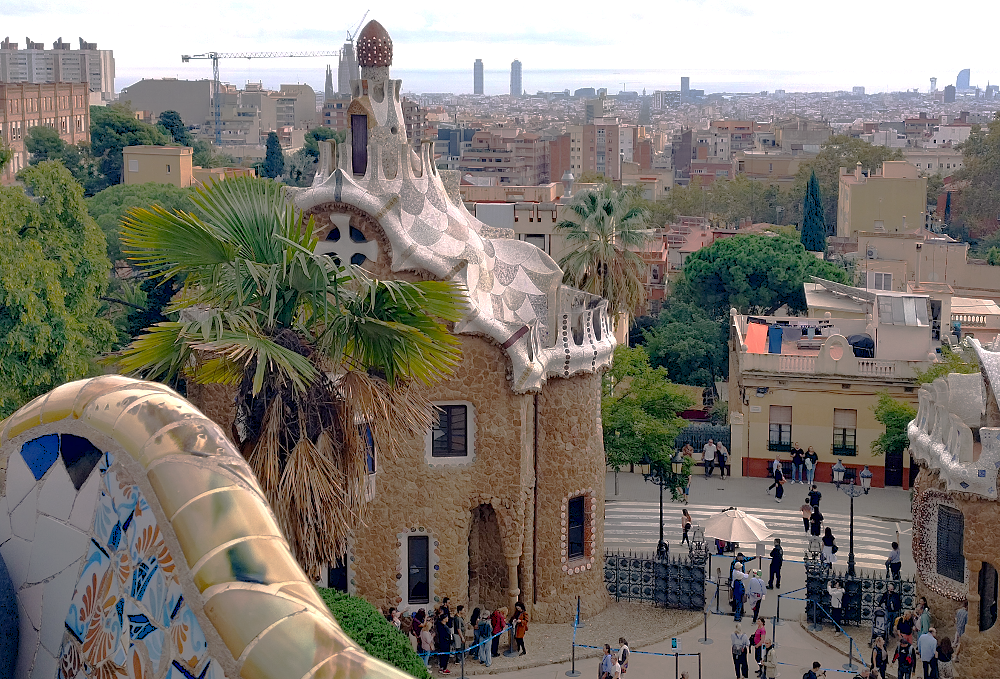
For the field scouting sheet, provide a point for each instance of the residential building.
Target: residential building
(560, 157)
(157, 164)
(682, 152)
(334, 113)
(516, 87)
(944, 161)
(891, 201)
(477, 77)
(685, 236)
(415, 120)
(62, 106)
(799, 133)
(596, 108)
(597, 148)
(509, 155)
(295, 106)
(919, 128)
(769, 166)
(799, 380)
(36, 65)
(192, 99)
(950, 134)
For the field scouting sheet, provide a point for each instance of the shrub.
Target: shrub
(363, 623)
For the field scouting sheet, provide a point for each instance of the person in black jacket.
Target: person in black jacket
(815, 496)
(892, 603)
(777, 555)
(815, 522)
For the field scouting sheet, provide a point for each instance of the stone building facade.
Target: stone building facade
(956, 514)
(503, 499)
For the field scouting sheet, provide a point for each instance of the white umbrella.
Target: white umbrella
(735, 525)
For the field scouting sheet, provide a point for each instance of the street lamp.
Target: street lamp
(698, 550)
(852, 491)
(658, 474)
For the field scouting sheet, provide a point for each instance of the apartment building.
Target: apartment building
(893, 200)
(560, 156)
(36, 65)
(192, 99)
(944, 161)
(62, 106)
(415, 121)
(334, 113)
(769, 166)
(507, 155)
(597, 148)
(799, 133)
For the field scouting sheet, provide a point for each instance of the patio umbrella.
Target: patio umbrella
(735, 525)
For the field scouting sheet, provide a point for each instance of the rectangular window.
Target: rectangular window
(910, 311)
(450, 435)
(168, 169)
(133, 165)
(845, 430)
(577, 518)
(536, 239)
(359, 143)
(950, 539)
(779, 428)
(879, 281)
(418, 569)
(368, 440)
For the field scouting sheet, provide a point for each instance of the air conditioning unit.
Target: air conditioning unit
(872, 253)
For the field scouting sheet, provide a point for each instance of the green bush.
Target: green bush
(363, 623)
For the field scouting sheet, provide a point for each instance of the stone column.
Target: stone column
(514, 591)
(738, 442)
(972, 626)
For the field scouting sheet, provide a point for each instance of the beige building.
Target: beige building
(192, 99)
(769, 165)
(157, 164)
(893, 200)
(62, 106)
(36, 65)
(799, 380)
(507, 156)
(943, 161)
(596, 148)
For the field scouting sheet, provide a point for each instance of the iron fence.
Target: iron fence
(861, 593)
(674, 582)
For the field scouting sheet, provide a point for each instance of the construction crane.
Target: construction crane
(351, 36)
(215, 56)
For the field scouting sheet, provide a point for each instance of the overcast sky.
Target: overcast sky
(794, 44)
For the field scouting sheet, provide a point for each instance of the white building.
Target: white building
(36, 65)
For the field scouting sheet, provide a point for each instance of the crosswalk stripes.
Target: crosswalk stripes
(635, 525)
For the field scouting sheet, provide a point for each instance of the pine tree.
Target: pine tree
(813, 221)
(274, 159)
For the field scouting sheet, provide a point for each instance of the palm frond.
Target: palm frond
(161, 353)
(171, 243)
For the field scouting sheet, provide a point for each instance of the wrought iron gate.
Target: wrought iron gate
(674, 582)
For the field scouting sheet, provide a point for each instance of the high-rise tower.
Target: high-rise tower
(477, 77)
(685, 88)
(328, 92)
(516, 89)
(962, 81)
(348, 69)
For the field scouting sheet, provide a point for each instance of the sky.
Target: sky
(723, 45)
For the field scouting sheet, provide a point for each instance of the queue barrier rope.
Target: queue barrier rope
(456, 650)
(837, 625)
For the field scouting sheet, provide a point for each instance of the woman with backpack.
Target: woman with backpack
(741, 643)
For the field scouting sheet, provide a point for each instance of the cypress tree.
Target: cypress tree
(274, 159)
(813, 221)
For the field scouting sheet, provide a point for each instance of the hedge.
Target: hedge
(363, 623)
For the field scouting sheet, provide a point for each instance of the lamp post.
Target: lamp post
(853, 491)
(661, 476)
(814, 568)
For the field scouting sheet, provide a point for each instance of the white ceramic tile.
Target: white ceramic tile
(55, 606)
(4, 521)
(27, 645)
(56, 546)
(46, 666)
(86, 502)
(30, 599)
(20, 480)
(16, 555)
(24, 516)
(57, 493)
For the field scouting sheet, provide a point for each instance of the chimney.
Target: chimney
(857, 171)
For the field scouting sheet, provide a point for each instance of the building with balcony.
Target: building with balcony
(597, 148)
(955, 440)
(813, 380)
(510, 156)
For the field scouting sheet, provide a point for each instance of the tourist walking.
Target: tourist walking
(779, 480)
(815, 672)
(880, 658)
(755, 593)
(905, 659)
(961, 620)
(741, 644)
(892, 603)
(722, 459)
(623, 654)
(484, 630)
(811, 459)
(774, 468)
(830, 548)
(893, 563)
(836, 590)
(777, 556)
(757, 640)
(798, 464)
(806, 510)
(814, 496)
(520, 624)
(708, 456)
(815, 522)
(769, 660)
(945, 654)
(927, 648)
(685, 526)
(499, 622)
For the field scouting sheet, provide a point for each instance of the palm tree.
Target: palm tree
(316, 351)
(609, 230)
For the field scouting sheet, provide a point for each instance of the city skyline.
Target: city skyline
(426, 39)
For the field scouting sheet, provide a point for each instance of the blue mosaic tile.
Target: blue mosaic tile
(982, 473)
(964, 484)
(39, 454)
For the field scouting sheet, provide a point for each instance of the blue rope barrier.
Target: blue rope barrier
(842, 630)
(630, 652)
(455, 650)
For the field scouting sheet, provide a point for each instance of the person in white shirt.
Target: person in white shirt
(755, 593)
(616, 668)
(722, 459)
(708, 454)
(836, 590)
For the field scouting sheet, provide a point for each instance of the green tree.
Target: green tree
(6, 155)
(318, 134)
(112, 128)
(950, 362)
(607, 229)
(172, 125)
(688, 344)
(205, 155)
(813, 221)
(980, 175)
(993, 256)
(274, 158)
(313, 348)
(44, 143)
(894, 416)
(112, 204)
(639, 410)
(754, 273)
(53, 270)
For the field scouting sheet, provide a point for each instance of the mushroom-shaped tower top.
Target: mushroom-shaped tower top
(374, 46)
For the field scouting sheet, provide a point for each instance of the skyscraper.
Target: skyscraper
(516, 90)
(949, 94)
(685, 88)
(962, 81)
(477, 77)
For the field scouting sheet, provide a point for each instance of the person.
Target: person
(777, 556)
(815, 521)
(520, 623)
(836, 590)
(904, 627)
(606, 667)
(945, 653)
(927, 647)
(738, 591)
(426, 642)
(616, 668)
(905, 659)
(923, 618)
(499, 622)
(961, 620)
(769, 660)
(810, 459)
(815, 672)
(829, 548)
(893, 564)
(740, 646)
(815, 496)
(394, 617)
(459, 628)
(798, 464)
(892, 603)
(880, 659)
(443, 627)
(685, 526)
(757, 640)
(775, 467)
(722, 459)
(755, 593)
(708, 454)
(416, 627)
(477, 613)
(806, 510)
(623, 654)
(779, 480)
(688, 452)
(483, 633)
